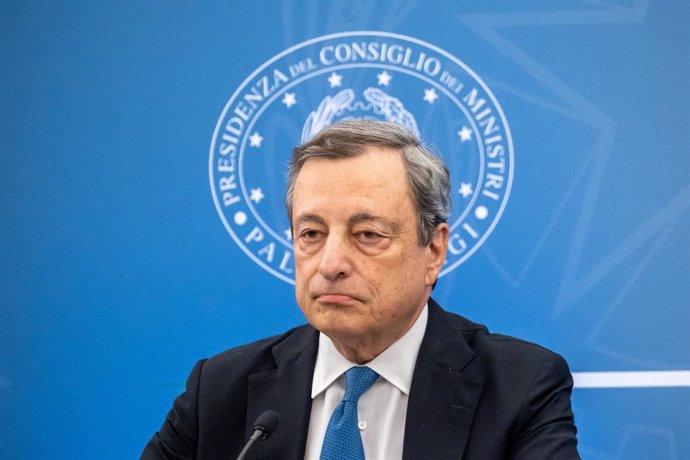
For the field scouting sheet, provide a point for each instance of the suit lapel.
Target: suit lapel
(286, 390)
(444, 393)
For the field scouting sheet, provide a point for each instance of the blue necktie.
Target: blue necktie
(342, 440)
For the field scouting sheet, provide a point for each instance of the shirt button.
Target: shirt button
(362, 425)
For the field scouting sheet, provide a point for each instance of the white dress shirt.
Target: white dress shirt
(381, 409)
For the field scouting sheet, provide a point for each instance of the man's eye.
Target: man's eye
(369, 236)
(309, 235)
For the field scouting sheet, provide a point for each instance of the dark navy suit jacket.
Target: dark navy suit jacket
(474, 395)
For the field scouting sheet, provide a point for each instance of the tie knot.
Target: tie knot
(359, 379)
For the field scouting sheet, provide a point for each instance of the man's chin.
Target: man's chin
(336, 325)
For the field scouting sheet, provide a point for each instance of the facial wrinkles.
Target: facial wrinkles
(340, 241)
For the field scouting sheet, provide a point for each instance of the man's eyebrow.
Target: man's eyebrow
(366, 217)
(309, 218)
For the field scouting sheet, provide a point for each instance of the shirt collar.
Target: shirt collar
(395, 364)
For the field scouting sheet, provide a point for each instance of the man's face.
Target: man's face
(361, 277)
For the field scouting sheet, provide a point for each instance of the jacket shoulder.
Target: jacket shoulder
(263, 354)
(498, 353)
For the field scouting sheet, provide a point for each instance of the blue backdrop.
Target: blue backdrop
(122, 265)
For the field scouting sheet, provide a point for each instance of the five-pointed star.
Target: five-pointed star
(335, 80)
(257, 195)
(465, 134)
(430, 95)
(384, 78)
(465, 189)
(255, 140)
(289, 100)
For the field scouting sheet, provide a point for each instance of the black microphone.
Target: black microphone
(265, 425)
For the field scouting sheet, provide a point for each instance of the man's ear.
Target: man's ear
(437, 253)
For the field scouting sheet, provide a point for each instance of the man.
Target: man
(368, 206)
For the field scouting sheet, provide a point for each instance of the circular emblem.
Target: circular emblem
(357, 74)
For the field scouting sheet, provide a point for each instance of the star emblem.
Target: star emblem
(335, 80)
(255, 140)
(465, 134)
(257, 195)
(430, 95)
(289, 100)
(465, 189)
(384, 78)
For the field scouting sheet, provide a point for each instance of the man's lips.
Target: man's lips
(334, 297)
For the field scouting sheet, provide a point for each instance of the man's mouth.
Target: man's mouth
(336, 298)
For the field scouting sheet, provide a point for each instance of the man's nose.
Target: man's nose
(335, 258)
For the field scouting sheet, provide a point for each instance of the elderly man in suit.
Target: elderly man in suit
(381, 371)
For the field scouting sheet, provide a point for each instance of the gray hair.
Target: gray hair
(427, 174)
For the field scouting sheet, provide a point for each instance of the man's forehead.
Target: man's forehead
(353, 219)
